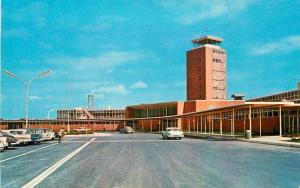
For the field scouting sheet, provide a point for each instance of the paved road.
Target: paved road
(145, 160)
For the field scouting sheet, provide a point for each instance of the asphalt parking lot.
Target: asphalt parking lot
(145, 160)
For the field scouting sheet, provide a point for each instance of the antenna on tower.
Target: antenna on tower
(91, 102)
(206, 30)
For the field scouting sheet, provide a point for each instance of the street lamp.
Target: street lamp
(51, 110)
(27, 84)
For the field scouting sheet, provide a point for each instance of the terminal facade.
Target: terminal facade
(206, 109)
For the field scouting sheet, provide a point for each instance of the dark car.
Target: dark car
(127, 130)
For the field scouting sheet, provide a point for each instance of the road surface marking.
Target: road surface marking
(120, 141)
(26, 153)
(34, 182)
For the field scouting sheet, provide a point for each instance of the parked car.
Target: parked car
(127, 130)
(172, 132)
(36, 134)
(50, 134)
(4, 140)
(22, 136)
(1, 146)
(10, 139)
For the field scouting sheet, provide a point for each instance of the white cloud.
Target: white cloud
(116, 89)
(103, 60)
(193, 11)
(35, 12)
(16, 32)
(139, 85)
(285, 44)
(102, 22)
(34, 97)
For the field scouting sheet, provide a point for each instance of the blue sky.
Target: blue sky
(132, 52)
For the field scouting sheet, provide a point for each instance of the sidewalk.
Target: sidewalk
(272, 140)
(269, 140)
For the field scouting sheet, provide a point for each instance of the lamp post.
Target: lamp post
(27, 84)
(48, 117)
(51, 110)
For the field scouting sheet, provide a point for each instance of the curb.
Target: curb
(241, 140)
(270, 143)
(199, 136)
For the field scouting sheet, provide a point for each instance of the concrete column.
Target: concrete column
(158, 125)
(231, 124)
(151, 125)
(194, 124)
(189, 124)
(133, 125)
(205, 124)
(233, 119)
(289, 118)
(250, 121)
(298, 123)
(280, 122)
(260, 122)
(221, 124)
(197, 120)
(142, 125)
(212, 124)
(167, 122)
(201, 123)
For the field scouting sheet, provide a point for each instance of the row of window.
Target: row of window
(215, 60)
(218, 52)
(244, 114)
(156, 112)
(221, 71)
(292, 95)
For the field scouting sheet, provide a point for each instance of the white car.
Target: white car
(172, 132)
(22, 136)
(4, 141)
(1, 146)
(49, 134)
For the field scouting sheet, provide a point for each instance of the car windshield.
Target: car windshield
(16, 132)
(31, 130)
(5, 134)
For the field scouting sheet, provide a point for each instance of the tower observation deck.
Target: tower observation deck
(207, 40)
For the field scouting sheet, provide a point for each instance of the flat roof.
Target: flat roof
(207, 40)
(275, 94)
(162, 104)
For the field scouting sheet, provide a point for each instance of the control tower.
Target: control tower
(206, 69)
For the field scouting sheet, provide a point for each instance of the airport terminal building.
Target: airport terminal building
(206, 109)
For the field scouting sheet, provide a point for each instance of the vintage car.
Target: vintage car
(172, 132)
(49, 134)
(36, 134)
(10, 139)
(22, 136)
(1, 146)
(127, 130)
(4, 140)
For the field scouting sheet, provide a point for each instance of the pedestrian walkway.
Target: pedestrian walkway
(272, 140)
